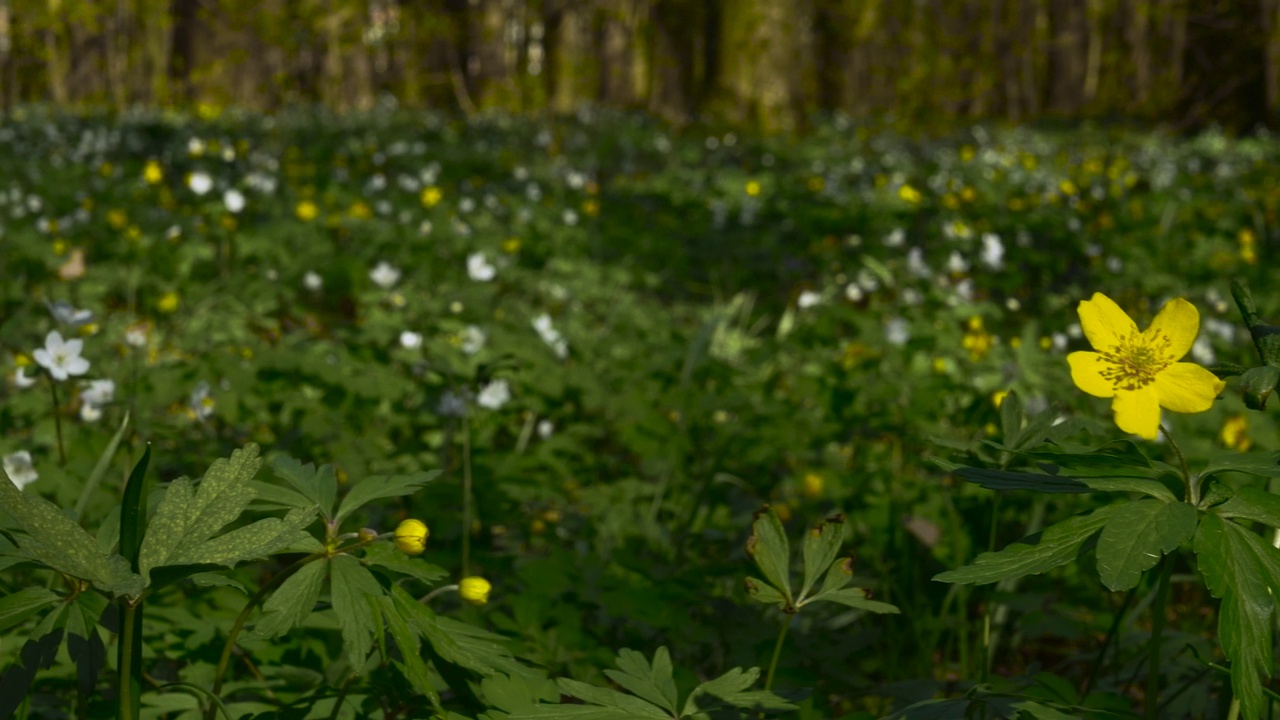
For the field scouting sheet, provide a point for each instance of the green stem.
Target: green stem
(1193, 488)
(129, 660)
(1157, 629)
(466, 497)
(1112, 632)
(257, 598)
(436, 593)
(777, 653)
(57, 420)
(1234, 711)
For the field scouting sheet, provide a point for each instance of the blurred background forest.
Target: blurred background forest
(767, 64)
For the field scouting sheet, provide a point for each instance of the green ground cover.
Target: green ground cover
(585, 353)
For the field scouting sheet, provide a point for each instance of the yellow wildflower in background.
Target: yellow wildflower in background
(1140, 370)
(306, 211)
(813, 485)
(431, 196)
(1235, 433)
(168, 302)
(910, 194)
(753, 187)
(153, 173)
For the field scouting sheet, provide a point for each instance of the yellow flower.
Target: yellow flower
(909, 194)
(168, 302)
(1235, 433)
(152, 173)
(411, 536)
(511, 245)
(753, 187)
(474, 590)
(431, 196)
(813, 485)
(1140, 369)
(997, 398)
(306, 211)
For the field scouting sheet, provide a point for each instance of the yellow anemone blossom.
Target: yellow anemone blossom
(474, 590)
(1140, 369)
(411, 537)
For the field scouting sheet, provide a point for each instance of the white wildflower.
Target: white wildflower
(20, 469)
(494, 395)
(61, 357)
(479, 268)
(385, 275)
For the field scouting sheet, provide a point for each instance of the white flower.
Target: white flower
(136, 335)
(61, 357)
(992, 251)
(1059, 341)
(895, 238)
(956, 263)
(410, 340)
(545, 428)
(385, 275)
(494, 395)
(808, 299)
(21, 381)
(897, 331)
(472, 339)
(312, 281)
(479, 268)
(99, 392)
(916, 264)
(234, 200)
(853, 292)
(200, 403)
(20, 469)
(90, 413)
(66, 314)
(1202, 350)
(550, 335)
(199, 182)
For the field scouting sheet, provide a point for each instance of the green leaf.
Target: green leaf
(821, 545)
(385, 557)
(456, 642)
(407, 641)
(1047, 483)
(1250, 503)
(60, 543)
(769, 547)
(763, 592)
(318, 486)
(839, 575)
(133, 516)
(188, 516)
(1265, 464)
(352, 588)
(1243, 570)
(856, 598)
(731, 690)
(251, 542)
(100, 469)
(1011, 419)
(611, 699)
(576, 712)
(1135, 537)
(292, 602)
(1056, 545)
(378, 487)
(23, 604)
(650, 682)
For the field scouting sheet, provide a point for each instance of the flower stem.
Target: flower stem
(254, 601)
(436, 593)
(1233, 712)
(57, 420)
(466, 497)
(1193, 488)
(777, 653)
(1157, 629)
(128, 661)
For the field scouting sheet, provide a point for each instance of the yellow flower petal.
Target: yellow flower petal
(1179, 322)
(1187, 388)
(1138, 411)
(1104, 323)
(1086, 373)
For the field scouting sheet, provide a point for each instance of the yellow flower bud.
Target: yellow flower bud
(411, 537)
(474, 590)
